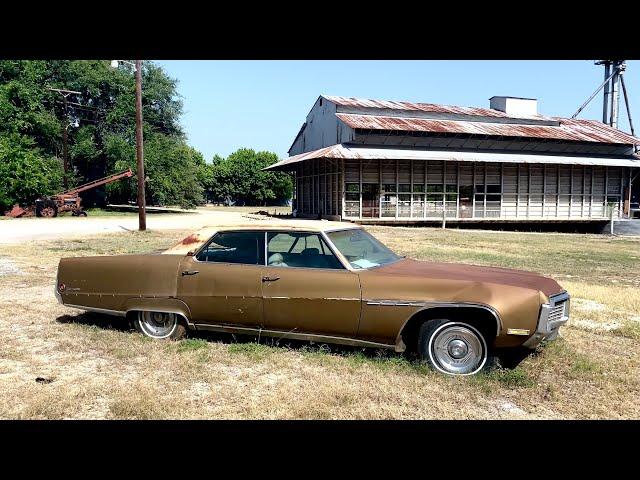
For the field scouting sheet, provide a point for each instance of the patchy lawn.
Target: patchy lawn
(57, 362)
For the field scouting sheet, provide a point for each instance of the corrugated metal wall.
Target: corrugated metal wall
(411, 189)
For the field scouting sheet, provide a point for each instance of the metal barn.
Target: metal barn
(381, 161)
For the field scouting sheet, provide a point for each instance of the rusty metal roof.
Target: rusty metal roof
(343, 151)
(568, 129)
(424, 107)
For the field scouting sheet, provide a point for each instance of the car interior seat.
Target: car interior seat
(277, 260)
(313, 258)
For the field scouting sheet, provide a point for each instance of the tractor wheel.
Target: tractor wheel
(48, 208)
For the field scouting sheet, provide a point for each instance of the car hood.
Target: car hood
(474, 273)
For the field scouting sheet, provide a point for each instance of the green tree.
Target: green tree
(25, 173)
(104, 143)
(240, 177)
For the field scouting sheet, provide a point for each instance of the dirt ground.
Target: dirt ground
(14, 230)
(57, 362)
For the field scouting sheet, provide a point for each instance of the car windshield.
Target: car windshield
(361, 249)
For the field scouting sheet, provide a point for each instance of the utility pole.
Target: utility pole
(65, 133)
(65, 145)
(142, 214)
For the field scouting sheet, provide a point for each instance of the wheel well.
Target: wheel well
(478, 317)
(182, 319)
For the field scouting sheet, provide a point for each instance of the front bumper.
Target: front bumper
(552, 316)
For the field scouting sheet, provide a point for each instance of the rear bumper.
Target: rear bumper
(552, 316)
(58, 296)
(55, 288)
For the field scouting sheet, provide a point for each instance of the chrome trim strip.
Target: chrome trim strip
(518, 331)
(311, 298)
(397, 303)
(118, 313)
(341, 229)
(291, 335)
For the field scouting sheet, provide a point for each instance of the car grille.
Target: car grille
(552, 316)
(557, 312)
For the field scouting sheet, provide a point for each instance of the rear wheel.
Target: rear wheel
(47, 208)
(159, 325)
(454, 348)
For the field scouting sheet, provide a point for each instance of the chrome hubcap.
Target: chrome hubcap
(158, 324)
(457, 349)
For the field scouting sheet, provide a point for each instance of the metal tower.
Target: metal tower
(613, 80)
(613, 70)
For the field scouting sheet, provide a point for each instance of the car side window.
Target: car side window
(234, 247)
(300, 249)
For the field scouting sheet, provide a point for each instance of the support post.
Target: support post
(611, 219)
(615, 95)
(605, 102)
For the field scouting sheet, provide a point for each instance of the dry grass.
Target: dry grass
(93, 366)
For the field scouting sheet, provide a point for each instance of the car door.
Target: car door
(222, 283)
(305, 287)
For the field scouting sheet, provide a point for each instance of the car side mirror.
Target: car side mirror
(191, 253)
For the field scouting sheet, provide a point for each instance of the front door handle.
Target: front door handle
(270, 279)
(189, 272)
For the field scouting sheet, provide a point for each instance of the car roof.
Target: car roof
(196, 239)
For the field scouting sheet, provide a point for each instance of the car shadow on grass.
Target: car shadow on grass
(111, 322)
(260, 346)
(92, 319)
(291, 344)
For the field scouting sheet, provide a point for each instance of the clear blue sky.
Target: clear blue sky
(262, 104)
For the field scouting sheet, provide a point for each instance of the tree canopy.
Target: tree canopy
(240, 177)
(33, 119)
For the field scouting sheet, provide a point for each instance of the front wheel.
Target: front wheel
(454, 348)
(159, 325)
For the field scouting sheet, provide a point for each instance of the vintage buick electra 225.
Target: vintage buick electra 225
(323, 282)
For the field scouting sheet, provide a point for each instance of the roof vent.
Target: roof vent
(516, 106)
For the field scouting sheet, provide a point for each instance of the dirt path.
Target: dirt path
(23, 229)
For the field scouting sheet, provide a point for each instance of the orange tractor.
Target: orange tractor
(67, 201)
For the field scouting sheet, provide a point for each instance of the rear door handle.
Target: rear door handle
(189, 272)
(270, 279)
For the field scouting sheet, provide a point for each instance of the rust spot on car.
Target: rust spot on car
(193, 238)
